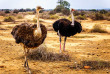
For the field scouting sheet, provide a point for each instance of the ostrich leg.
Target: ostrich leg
(59, 40)
(64, 43)
(26, 51)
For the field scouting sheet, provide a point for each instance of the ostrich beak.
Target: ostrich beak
(73, 9)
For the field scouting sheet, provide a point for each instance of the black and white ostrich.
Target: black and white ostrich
(66, 28)
(30, 36)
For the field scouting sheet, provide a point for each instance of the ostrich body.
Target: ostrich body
(66, 28)
(29, 36)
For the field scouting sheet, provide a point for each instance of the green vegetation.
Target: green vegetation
(9, 19)
(54, 17)
(16, 11)
(81, 17)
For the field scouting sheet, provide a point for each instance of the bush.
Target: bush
(76, 13)
(20, 17)
(66, 11)
(97, 16)
(82, 13)
(54, 17)
(16, 11)
(7, 11)
(9, 19)
(52, 12)
(81, 17)
(103, 11)
(98, 28)
(58, 9)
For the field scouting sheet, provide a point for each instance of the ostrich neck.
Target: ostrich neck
(37, 32)
(38, 24)
(72, 19)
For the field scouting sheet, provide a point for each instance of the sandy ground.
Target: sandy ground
(83, 46)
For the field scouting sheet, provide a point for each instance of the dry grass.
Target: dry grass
(98, 28)
(42, 54)
(20, 17)
(93, 64)
(9, 19)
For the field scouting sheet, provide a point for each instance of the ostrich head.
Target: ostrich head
(72, 10)
(38, 8)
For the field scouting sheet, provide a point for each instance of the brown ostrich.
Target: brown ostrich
(29, 36)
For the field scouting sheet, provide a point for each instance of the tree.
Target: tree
(60, 1)
(65, 4)
(16, 11)
(7, 11)
(103, 11)
(58, 8)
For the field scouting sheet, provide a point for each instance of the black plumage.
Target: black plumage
(65, 28)
(24, 33)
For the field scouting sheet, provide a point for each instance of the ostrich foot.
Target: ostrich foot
(28, 70)
(60, 51)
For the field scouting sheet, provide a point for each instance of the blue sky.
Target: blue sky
(51, 4)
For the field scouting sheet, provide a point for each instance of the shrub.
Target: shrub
(16, 11)
(20, 17)
(97, 16)
(82, 13)
(7, 11)
(66, 11)
(76, 13)
(59, 8)
(54, 17)
(9, 19)
(52, 12)
(81, 17)
(103, 11)
(98, 28)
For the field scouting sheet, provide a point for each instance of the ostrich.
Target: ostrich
(29, 36)
(66, 28)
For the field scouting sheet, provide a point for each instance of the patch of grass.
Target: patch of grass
(92, 64)
(42, 54)
(98, 28)
(9, 19)
(95, 64)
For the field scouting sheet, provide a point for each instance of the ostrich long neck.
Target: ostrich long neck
(38, 24)
(72, 19)
(37, 32)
